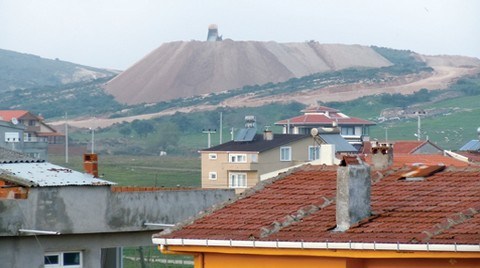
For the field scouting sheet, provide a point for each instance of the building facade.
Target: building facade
(240, 165)
(351, 128)
(35, 136)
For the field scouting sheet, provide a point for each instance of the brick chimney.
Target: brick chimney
(90, 164)
(382, 156)
(353, 192)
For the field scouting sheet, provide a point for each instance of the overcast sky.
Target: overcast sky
(117, 33)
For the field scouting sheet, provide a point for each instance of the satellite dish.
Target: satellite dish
(314, 132)
(14, 121)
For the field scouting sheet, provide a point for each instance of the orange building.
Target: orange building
(348, 216)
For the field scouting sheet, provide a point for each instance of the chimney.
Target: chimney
(90, 164)
(382, 156)
(267, 135)
(353, 192)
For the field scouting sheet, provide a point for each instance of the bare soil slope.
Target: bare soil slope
(447, 69)
(186, 69)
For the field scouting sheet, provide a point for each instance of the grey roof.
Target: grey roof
(258, 144)
(9, 156)
(341, 145)
(473, 145)
(46, 174)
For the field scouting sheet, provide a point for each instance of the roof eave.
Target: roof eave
(398, 247)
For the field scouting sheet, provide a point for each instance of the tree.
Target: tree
(169, 136)
(142, 127)
(125, 131)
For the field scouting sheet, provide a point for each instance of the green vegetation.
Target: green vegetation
(156, 171)
(404, 61)
(18, 70)
(181, 133)
(153, 258)
(82, 98)
(369, 107)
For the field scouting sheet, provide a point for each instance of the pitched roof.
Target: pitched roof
(322, 119)
(319, 109)
(473, 145)
(10, 156)
(472, 157)
(442, 208)
(401, 160)
(409, 147)
(7, 115)
(341, 145)
(258, 144)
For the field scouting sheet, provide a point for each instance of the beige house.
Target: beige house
(239, 165)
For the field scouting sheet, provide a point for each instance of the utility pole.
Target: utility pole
(221, 127)
(66, 138)
(419, 125)
(209, 132)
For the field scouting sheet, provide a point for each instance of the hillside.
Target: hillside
(19, 70)
(186, 69)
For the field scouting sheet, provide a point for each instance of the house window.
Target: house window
(237, 158)
(285, 153)
(313, 153)
(32, 122)
(212, 175)
(254, 158)
(237, 180)
(63, 259)
(348, 130)
(212, 156)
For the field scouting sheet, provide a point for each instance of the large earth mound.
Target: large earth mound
(186, 69)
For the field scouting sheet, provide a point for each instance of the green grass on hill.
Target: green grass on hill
(449, 131)
(157, 171)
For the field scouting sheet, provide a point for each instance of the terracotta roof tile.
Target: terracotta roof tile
(400, 160)
(7, 115)
(441, 208)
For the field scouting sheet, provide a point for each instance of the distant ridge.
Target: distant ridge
(21, 70)
(185, 69)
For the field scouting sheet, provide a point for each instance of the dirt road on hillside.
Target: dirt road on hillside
(442, 76)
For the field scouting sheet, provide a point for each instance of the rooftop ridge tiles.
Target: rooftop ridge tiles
(447, 224)
(246, 194)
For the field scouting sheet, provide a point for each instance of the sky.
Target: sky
(117, 33)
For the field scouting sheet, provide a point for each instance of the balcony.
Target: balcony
(240, 166)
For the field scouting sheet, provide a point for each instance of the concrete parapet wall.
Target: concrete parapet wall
(97, 209)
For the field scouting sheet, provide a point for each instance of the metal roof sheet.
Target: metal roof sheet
(473, 145)
(46, 174)
(341, 145)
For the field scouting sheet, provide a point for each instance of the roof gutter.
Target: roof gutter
(316, 245)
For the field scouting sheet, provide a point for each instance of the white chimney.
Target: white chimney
(382, 156)
(353, 193)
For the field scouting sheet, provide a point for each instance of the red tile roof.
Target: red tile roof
(7, 115)
(473, 157)
(319, 109)
(400, 160)
(409, 147)
(321, 119)
(323, 116)
(442, 208)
